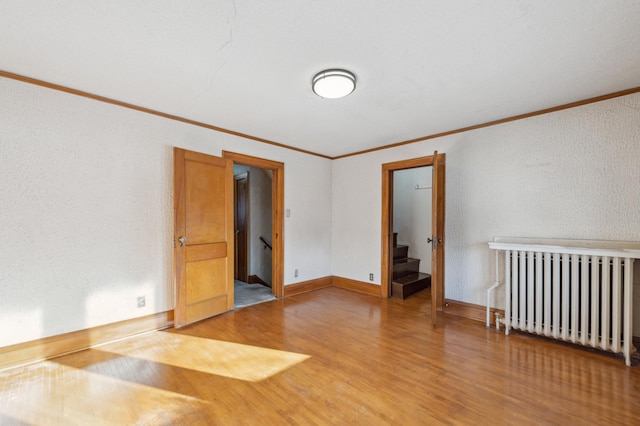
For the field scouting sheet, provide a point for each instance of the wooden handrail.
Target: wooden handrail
(266, 243)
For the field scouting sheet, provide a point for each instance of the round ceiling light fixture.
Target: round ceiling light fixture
(334, 83)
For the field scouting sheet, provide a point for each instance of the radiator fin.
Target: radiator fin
(572, 297)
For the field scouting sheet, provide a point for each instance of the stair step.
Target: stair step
(400, 252)
(405, 266)
(408, 285)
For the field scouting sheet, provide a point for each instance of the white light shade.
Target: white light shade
(334, 84)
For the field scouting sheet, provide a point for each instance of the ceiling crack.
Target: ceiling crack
(230, 23)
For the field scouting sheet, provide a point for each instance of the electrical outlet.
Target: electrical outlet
(295, 273)
(141, 302)
(370, 277)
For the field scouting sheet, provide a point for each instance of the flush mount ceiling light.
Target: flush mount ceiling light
(333, 84)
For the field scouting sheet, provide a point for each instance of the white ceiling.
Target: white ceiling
(423, 66)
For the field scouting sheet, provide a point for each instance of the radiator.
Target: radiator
(576, 291)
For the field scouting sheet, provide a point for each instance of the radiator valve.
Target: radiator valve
(498, 317)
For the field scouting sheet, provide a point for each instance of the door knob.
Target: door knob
(182, 240)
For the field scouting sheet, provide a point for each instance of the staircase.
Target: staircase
(406, 279)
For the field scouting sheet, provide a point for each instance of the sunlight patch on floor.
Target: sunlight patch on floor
(67, 395)
(227, 359)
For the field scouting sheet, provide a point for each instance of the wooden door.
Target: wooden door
(437, 161)
(203, 254)
(437, 234)
(240, 220)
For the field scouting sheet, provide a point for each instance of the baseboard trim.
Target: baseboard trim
(358, 286)
(470, 310)
(332, 281)
(452, 307)
(254, 279)
(63, 344)
(307, 286)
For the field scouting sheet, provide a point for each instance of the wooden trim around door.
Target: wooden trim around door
(277, 216)
(438, 210)
(387, 208)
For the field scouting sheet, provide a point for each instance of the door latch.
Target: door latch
(434, 242)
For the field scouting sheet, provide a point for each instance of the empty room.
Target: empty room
(233, 212)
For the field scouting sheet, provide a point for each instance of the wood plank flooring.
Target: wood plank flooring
(326, 357)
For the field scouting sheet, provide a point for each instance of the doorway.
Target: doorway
(204, 232)
(260, 183)
(437, 238)
(253, 235)
(411, 224)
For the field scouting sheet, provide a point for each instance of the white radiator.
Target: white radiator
(577, 291)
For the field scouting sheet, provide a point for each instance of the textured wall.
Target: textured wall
(87, 217)
(87, 210)
(570, 174)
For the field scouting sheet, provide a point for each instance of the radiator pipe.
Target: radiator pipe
(489, 292)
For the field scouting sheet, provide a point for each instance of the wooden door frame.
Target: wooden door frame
(387, 231)
(244, 175)
(277, 213)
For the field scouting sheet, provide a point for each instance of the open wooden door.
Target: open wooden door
(203, 240)
(437, 234)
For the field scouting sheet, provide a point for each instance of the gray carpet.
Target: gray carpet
(250, 294)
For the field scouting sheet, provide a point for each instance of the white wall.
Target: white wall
(412, 212)
(570, 174)
(87, 217)
(260, 200)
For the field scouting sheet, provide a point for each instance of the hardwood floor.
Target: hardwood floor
(326, 357)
